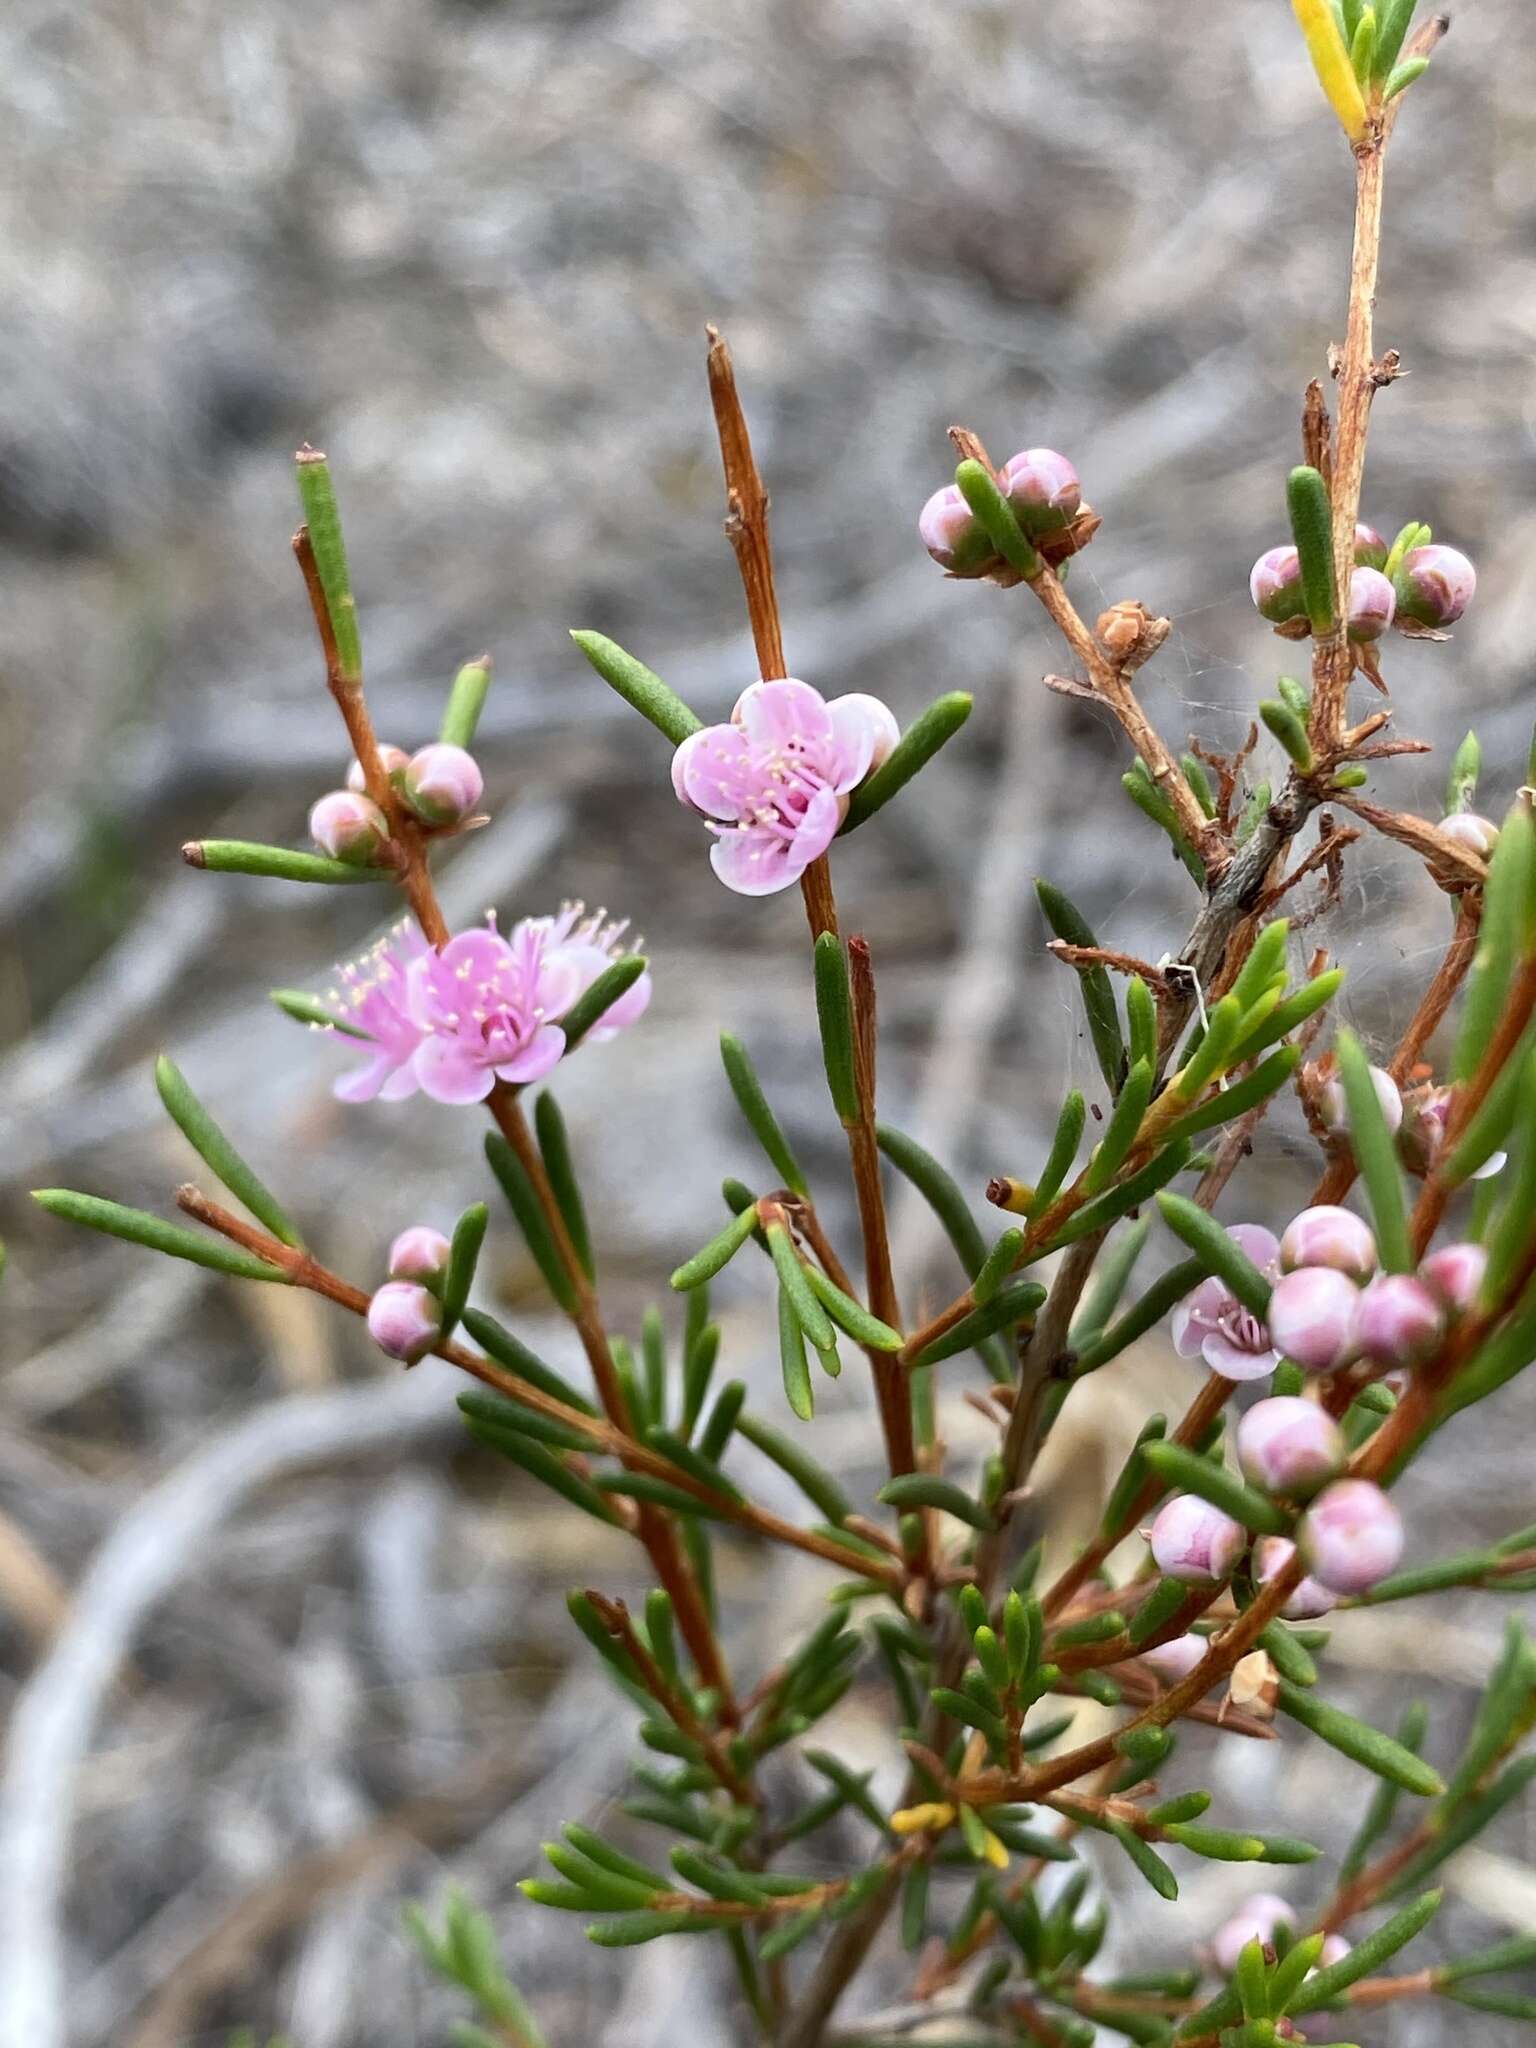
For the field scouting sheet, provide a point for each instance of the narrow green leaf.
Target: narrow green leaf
(1017, 1302)
(834, 1015)
(494, 1416)
(1069, 924)
(555, 1149)
(914, 1906)
(1367, 1955)
(466, 701)
(700, 1351)
(658, 1493)
(687, 1459)
(530, 1219)
(926, 1490)
(1064, 1143)
(761, 1121)
(511, 1352)
(1132, 1476)
(851, 1315)
(1288, 729)
(1288, 1656)
(1217, 1252)
(930, 730)
(1403, 76)
(1376, 1156)
(1129, 1194)
(1306, 497)
(792, 1359)
(996, 1267)
(1212, 1054)
(940, 1191)
(794, 1280)
(594, 1004)
(1120, 1132)
(1140, 1021)
(138, 1226)
(463, 1256)
(1150, 798)
(638, 686)
(1192, 1473)
(538, 1462)
(1287, 1014)
(1503, 940)
(1252, 1980)
(1393, 19)
(1242, 1096)
(1378, 1817)
(724, 1417)
(317, 494)
(215, 1150)
(1357, 1740)
(1146, 1314)
(718, 1253)
(304, 1008)
(279, 863)
(629, 1930)
(1146, 1860)
(979, 489)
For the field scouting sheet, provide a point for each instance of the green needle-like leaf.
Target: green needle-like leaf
(639, 687)
(139, 1226)
(211, 1146)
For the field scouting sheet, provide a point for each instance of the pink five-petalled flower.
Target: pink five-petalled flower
(1212, 1323)
(587, 944)
(774, 783)
(487, 1005)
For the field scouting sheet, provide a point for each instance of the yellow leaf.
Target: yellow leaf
(1331, 62)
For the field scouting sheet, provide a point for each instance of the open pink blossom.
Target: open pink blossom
(588, 944)
(372, 999)
(774, 783)
(486, 1005)
(1212, 1323)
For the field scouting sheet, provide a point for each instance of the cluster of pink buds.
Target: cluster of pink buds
(404, 1318)
(1043, 491)
(1419, 1118)
(440, 785)
(1429, 589)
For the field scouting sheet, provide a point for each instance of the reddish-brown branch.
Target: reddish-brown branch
(746, 510)
(614, 1616)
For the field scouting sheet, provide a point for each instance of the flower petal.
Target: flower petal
(449, 1071)
(1260, 1245)
(864, 732)
(715, 771)
(784, 716)
(755, 863)
(541, 1053)
(618, 1017)
(362, 1084)
(1233, 1363)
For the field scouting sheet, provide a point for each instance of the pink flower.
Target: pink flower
(1212, 1323)
(486, 1006)
(372, 998)
(774, 783)
(587, 945)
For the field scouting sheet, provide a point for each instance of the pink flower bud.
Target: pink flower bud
(1372, 604)
(1400, 1321)
(1290, 1446)
(1335, 1109)
(1175, 1660)
(348, 827)
(1312, 1316)
(1257, 1919)
(1351, 1536)
(442, 784)
(1435, 585)
(393, 758)
(1196, 1543)
(1274, 584)
(1371, 550)
(954, 536)
(1310, 1599)
(420, 1253)
(403, 1320)
(1329, 1236)
(1477, 835)
(1454, 1274)
(1043, 489)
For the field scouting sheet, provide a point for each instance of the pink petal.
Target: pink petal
(1260, 1245)
(362, 1084)
(784, 716)
(756, 863)
(448, 1071)
(715, 772)
(565, 974)
(541, 1053)
(1233, 1363)
(865, 730)
(818, 827)
(402, 1083)
(1187, 1337)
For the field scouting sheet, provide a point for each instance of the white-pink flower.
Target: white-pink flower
(587, 944)
(774, 783)
(1212, 1323)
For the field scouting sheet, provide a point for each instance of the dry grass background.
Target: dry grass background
(470, 248)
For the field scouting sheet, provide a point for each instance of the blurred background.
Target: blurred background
(277, 1648)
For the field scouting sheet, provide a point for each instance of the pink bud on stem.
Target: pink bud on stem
(1274, 584)
(1351, 1537)
(954, 536)
(1434, 586)
(1310, 1599)
(1042, 488)
(1477, 834)
(420, 1253)
(442, 784)
(392, 758)
(1312, 1317)
(1329, 1236)
(349, 827)
(1288, 1445)
(1195, 1542)
(1401, 1321)
(1454, 1274)
(1372, 605)
(403, 1320)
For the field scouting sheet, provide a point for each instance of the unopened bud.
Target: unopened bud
(954, 536)
(1042, 488)
(1351, 1536)
(1195, 1542)
(1434, 585)
(1309, 1598)
(393, 760)
(1257, 1919)
(1335, 1110)
(1176, 1659)
(1400, 1321)
(1329, 1236)
(1372, 605)
(1274, 584)
(420, 1253)
(1478, 835)
(1312, 1314)
(348, 827)
(1454, 1274)
(403, 1320)
(442, 784)
(1371, 550)
(1289, 1446)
